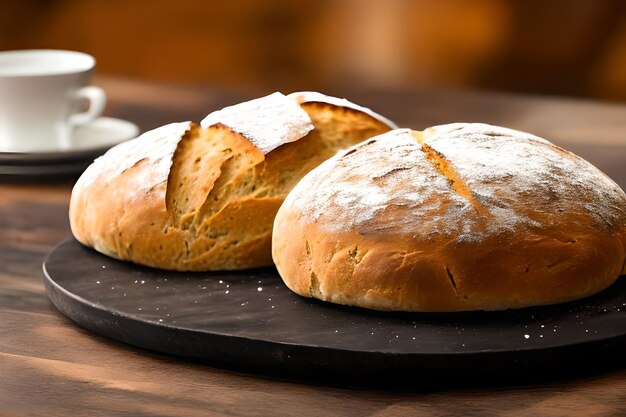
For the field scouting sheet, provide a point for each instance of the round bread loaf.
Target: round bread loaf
(191, 197)
(458, 217)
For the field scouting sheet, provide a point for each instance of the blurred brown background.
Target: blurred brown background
(564, 47)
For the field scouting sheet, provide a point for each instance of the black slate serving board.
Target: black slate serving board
(250, 320)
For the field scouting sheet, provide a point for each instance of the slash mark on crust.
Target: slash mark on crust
(314, 287)
(443, 166)
(451, 277)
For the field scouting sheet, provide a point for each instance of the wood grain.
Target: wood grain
(50, 367)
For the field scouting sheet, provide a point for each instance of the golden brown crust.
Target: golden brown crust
(395, 275)
(388, 225)
(187, 197)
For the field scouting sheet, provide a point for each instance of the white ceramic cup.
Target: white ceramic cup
(42, 93)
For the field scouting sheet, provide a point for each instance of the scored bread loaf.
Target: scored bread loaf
(458, 217)
(189, 197)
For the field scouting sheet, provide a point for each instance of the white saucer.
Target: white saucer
(88, 142)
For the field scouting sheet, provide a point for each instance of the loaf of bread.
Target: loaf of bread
(189, 197)
(455, 218)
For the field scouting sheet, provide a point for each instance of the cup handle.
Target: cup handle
(97, 99)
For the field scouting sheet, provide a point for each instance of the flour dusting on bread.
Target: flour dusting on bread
(267, 122)
(154, 149)
(188, 197)
(500, 166)
(459, 217)
(302, 97)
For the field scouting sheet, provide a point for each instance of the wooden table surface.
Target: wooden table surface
(51, 367)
